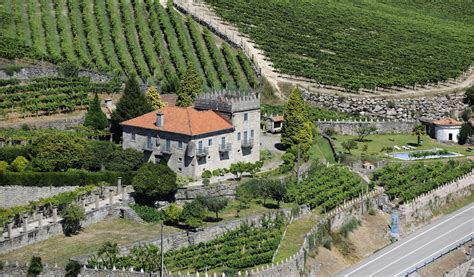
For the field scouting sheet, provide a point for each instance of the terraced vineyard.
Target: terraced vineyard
(48, 95)
(355, 44)
(135, 37)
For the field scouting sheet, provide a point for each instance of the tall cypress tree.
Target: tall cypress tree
(132, 104)
(296, 129)
(95, 118)
(189, 88)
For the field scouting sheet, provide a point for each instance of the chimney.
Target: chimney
(160, 119)
(108, 103)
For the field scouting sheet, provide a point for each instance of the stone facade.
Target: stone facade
(11, 196)
(380, 107)
(348, 127)
(192, 155)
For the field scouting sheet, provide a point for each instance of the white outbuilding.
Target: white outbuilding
(446, 129)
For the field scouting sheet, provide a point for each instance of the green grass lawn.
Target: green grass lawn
(58, 249)
(375, 143)
(256, 207)
(321, 150)
(295, 233)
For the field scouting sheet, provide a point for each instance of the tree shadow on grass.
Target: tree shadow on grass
(271, 206)
(212, 219)
(280, 146)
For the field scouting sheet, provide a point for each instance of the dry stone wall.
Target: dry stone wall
(349, 127)
(190, 193)
(43, 71)
(11, 196)
(422, 207)
(380, 107)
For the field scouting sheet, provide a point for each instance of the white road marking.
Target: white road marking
(422, 246)
(454, 243)
(422, 233)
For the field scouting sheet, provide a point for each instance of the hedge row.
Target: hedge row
(58, 179)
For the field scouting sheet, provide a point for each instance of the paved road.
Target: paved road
(418, 248)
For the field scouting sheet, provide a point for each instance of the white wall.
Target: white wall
(442, 133)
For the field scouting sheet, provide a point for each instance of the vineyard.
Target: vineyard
(355, 45)
(245, 247)
(134, 37)
(48, 95)
(326, 187)
(407, 181)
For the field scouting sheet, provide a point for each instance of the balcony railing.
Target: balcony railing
(225, 147)
(201, 152)
(247, 143)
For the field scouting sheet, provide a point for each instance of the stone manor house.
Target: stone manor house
(219, 130)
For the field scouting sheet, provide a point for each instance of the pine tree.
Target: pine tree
(296, 129)
(132, 104)
(190, 86)
(95, 118)
(153, 97)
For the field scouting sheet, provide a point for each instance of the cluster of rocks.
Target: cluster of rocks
(406, 108)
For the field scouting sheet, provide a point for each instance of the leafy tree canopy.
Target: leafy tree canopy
(155, 181)
(59, 152)
(72, 217)
(193, 213)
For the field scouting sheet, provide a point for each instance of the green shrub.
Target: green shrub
(172, 214)
(19, 164)
(35, 268)
(327, 242)
(348, 227)
(206, 174)
(72, 217)
(73, 268)
(59, 179)
(155, 181)
(3, 166)
(147, 213)
(9, 153)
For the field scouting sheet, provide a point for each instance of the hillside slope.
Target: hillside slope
(133, 37)
(359, 44)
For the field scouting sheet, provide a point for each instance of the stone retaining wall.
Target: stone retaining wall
(43, 71)
(461, 270)
(422, 207)
(348, 127)
(190, 193)
(188, 238)
(11, 196)
(380, 107)
(46, 122)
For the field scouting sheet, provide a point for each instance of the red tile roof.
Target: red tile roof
(277, 118)
(447, 122)
(187, 121)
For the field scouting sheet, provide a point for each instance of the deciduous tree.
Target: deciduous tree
(72, 217)
(364, 130)
(349, 145)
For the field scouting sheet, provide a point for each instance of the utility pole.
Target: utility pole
(161, 248)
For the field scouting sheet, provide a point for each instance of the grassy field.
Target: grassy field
(293, 239)
(59, 249)
(354, 44)
(375, 143)
(321, 150)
